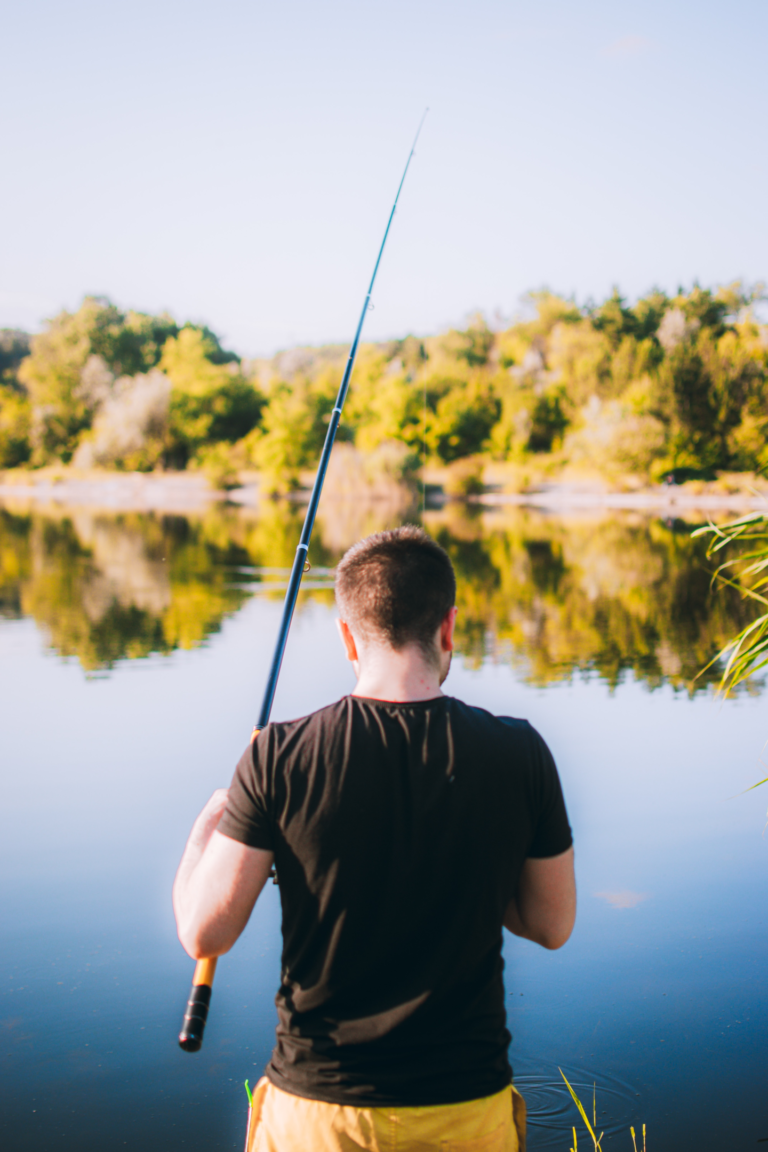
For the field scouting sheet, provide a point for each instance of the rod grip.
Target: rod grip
(191, 1035)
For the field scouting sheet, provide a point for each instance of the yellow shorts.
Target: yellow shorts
(281, 1122)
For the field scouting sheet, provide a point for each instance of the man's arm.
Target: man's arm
(544, 909)
(217, 884)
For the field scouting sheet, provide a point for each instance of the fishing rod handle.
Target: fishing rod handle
(191, 1035)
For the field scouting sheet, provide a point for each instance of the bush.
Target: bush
(548, 423)
(463, 422)
(131, 425)
(210, 402)
(216, 462)
(56, 377)
(15, 427)
(465, 479)
(618, 437)
(294, 426)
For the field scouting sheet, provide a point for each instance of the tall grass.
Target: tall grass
(747, 571)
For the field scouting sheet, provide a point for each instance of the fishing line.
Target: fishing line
(424, 457)
(191, 1035)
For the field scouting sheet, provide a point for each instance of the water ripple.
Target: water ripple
(552, 1113)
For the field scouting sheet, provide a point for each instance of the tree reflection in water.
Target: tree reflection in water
(108, 587)
(603, 593)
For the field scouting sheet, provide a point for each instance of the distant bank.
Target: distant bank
(187, 491)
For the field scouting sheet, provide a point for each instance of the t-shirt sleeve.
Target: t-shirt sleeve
(552, 832)
(246, 816)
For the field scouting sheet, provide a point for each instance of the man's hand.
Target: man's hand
(544, 909)
(217, 884)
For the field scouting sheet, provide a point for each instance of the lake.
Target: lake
(133, 652)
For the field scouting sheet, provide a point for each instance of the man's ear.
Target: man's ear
(347, 640)
(447, 628)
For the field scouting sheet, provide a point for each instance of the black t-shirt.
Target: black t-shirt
(399, 832)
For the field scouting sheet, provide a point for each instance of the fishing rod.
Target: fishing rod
(191, 1035)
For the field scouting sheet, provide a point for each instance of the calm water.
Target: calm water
(133, 651)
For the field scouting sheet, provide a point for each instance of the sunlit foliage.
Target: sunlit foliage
(63, 403)
(123, 389)
(15, 409)
(668, 386)
(293, 429)
(210, 400)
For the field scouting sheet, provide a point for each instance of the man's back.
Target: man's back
(399, 832)
(406, 828)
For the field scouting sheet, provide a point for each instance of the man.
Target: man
(406, 828)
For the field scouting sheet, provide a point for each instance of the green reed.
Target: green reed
(592, 1128)
(747, 652)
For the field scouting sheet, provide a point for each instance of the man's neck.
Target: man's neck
(399, 677)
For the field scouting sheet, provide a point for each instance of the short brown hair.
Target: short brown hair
(396, 586)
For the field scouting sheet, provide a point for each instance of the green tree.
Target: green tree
(293, 430)
(386, 400)
(210, 399)
(614, 319)
(580, 359)
(649, 311)
(548, 422)
(472, 345)
(14, 348)
(463, 420)
(705, 384)
(15, 409)
(15, 427)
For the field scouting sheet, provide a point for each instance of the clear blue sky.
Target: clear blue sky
(235, 162)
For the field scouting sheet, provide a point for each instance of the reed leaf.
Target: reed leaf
(595, 1140)
(747, 572)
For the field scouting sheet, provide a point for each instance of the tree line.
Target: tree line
(671, 385)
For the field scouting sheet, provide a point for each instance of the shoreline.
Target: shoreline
(184, 492)
(567, 497)
(179, 492)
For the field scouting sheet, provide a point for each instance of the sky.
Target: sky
(235, 163)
